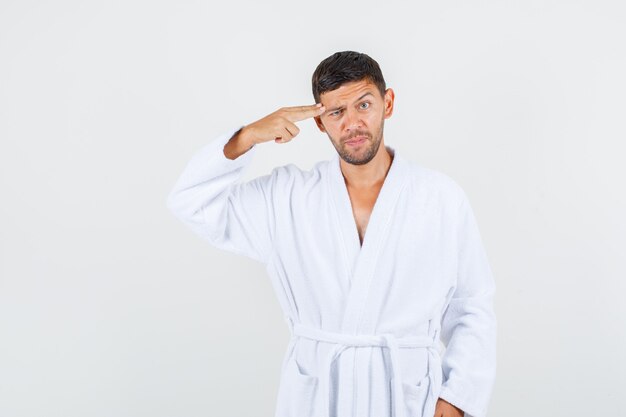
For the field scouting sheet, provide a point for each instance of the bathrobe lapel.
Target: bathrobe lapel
(361, 260)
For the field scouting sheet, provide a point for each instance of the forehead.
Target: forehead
(349, 91)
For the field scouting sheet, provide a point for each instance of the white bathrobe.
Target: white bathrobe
(383, 329)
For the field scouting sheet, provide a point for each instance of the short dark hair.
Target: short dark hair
(344, 67)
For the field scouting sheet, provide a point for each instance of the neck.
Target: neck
(368, 175)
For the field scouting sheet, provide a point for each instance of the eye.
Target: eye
(365, 102)
(335, 112)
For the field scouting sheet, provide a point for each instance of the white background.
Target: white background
(110, 307)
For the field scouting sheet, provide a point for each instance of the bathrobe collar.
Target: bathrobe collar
(361, 260)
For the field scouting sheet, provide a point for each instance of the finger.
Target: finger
(292, 129)
(300, 108)
(288, 136)
(297, 113)
(288, 133)
(282, 135)
(285, 130)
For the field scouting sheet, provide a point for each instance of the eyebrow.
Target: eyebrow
(340, 107)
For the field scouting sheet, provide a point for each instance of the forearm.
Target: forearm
(239, 143)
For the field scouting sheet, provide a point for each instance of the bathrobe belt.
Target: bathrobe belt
(393, 343)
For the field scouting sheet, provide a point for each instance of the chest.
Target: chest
(362, 203)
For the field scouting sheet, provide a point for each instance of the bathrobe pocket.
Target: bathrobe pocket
(301, 390)
(414, 396)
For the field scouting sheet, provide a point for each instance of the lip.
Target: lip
(356, 140)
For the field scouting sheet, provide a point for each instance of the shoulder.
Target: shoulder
(435, 183)
(291, 176)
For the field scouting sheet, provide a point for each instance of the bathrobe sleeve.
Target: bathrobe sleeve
(231, 215)
(468, 327)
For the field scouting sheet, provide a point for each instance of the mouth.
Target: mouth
(357, 140)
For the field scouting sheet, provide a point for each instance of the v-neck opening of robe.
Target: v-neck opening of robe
(360, 259)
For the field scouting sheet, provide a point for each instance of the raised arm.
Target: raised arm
(210, 198)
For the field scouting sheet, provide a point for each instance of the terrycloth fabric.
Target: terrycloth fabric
(378, 330)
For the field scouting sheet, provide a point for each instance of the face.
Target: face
(354, 119)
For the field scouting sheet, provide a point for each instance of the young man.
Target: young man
(375, 259)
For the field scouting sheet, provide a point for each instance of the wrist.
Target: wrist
(246, 137)
(237, 145)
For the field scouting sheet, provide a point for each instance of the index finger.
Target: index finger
(297, 113)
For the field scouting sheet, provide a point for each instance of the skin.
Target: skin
(350, 114)
(345, 113)
(357, 109)
(445, 409)
(278, 126)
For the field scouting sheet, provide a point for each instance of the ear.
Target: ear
(320, 125)
(389, 97)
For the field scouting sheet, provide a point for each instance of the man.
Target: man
(374, 259)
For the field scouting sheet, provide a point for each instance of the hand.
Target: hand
(279, 126)
(445, 409)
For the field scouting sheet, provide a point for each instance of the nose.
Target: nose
(352, 120)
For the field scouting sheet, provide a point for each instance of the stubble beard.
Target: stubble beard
(359, 157)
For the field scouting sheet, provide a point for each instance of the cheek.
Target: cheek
(332, 126)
